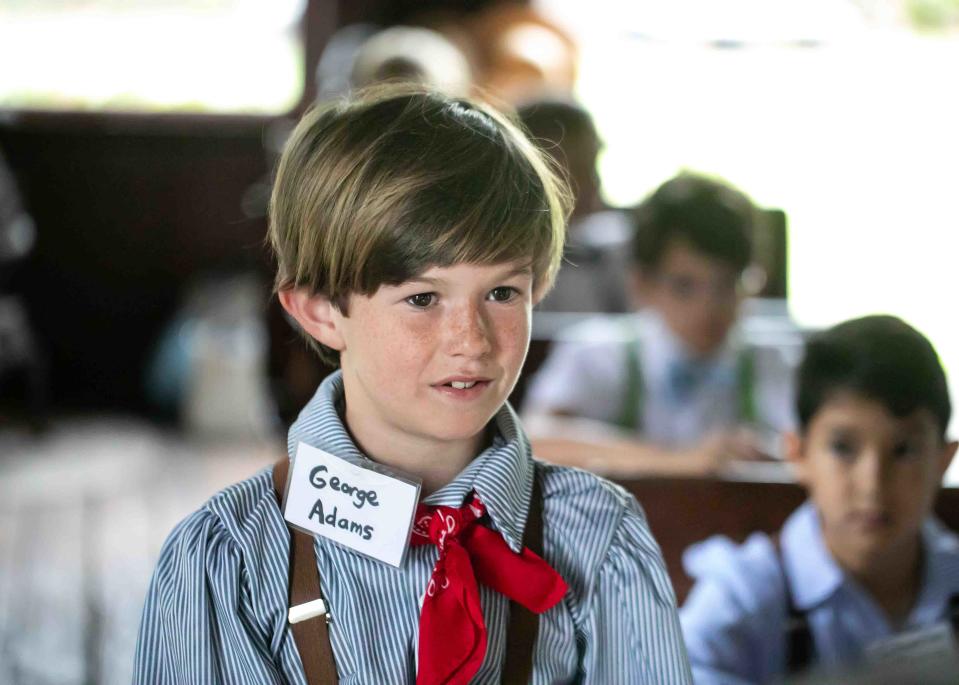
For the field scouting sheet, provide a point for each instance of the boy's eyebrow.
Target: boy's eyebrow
(519, 270)
(421, 279)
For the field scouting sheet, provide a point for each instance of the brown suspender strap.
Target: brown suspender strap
(313, 639)
(311, 636)
(523, 623)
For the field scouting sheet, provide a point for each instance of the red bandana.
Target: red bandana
(452, 642)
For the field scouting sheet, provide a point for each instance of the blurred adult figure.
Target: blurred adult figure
(594, 273)
(410, 53)
(520, 54)
(360, 55)
(17, 232)
(22, 368)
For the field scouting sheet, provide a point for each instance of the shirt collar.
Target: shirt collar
(940, 578)
(502, 475)
(814, 576)
(662, 349)
(812, 573)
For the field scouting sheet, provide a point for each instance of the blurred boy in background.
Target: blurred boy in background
(863, 560)
(675, 389)
(595, 258)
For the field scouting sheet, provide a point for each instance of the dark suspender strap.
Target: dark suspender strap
(798, 636)
(311, 636)
(953, 613)
(523, 623)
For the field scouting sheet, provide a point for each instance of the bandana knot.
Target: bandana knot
(452, 639)
(445, 524)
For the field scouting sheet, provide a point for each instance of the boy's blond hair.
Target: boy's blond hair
(396, 179)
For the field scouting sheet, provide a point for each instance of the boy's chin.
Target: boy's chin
(872, 550)
(705, 346)
(462, 429)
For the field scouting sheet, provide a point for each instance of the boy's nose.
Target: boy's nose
(468, 332)
(874, 474)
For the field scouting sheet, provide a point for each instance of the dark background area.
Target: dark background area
(127, 209)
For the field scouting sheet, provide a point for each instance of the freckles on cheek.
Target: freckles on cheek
(513, 335)
(405, 347)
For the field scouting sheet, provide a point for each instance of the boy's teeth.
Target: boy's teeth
(460, 385)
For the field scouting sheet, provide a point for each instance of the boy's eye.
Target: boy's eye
(421, 300)
(906, 449)
(503, 293)
(844, 449)
(682, 287)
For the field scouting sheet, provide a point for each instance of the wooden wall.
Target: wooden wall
(128, 210)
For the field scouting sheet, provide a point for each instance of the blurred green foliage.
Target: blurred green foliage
(933, 15)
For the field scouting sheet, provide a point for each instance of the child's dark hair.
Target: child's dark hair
(878, 357)
(553, 120)
(712, 217)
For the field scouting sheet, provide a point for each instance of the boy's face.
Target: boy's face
(404, 346)
(696, 294)
(871, 475)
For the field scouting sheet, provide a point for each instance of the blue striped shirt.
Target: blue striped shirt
(217, 604)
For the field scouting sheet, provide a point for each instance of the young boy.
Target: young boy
(413, 234)
(863, 559)
(669, 390)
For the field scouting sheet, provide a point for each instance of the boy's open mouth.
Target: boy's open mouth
(463, 386)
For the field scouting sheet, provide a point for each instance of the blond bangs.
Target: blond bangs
(379, 188)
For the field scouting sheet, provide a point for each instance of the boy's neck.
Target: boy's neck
(681, 348)
(893, 581)
(436, 463)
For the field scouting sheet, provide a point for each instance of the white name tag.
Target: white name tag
(370, 511)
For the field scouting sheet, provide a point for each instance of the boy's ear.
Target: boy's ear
(793, 451)
(316, 314)
(948, 452)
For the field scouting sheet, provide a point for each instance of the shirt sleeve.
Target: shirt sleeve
(634, 634)
(731, 620)
(198, 624)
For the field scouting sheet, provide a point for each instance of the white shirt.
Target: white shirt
(586, 375)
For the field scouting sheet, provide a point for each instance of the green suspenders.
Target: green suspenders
(746, 385)
(632, 406)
